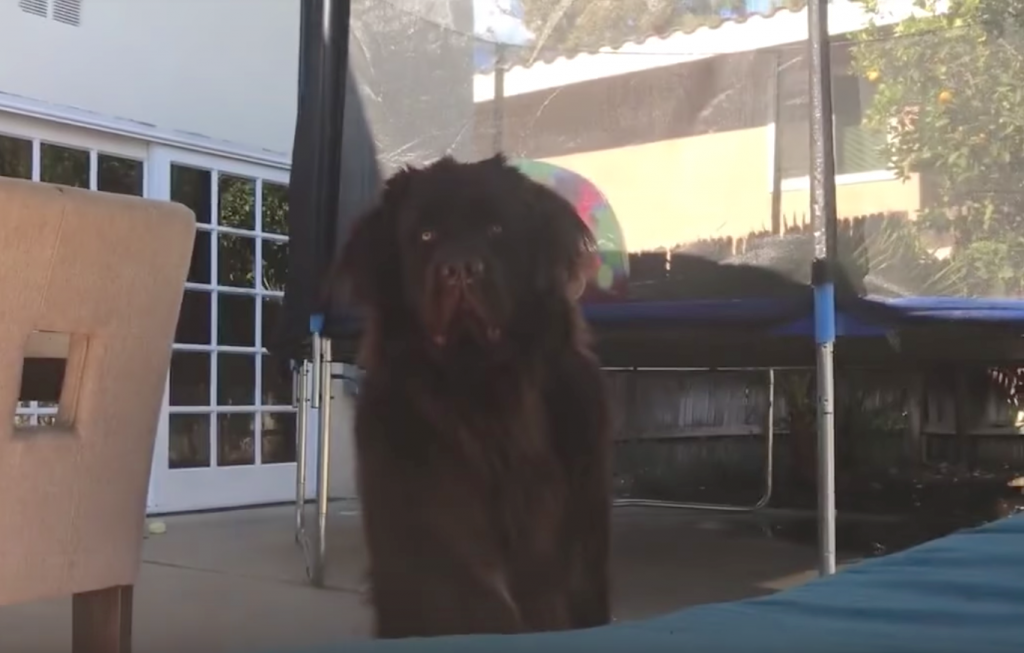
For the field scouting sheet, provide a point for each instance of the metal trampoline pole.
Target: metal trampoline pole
(823, 218)
(769, 473)
(314, 402)
(826, 462)
(315, 370)
(323, 463)
(302, 438)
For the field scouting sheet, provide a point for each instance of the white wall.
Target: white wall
(225, 69)
(343, 455)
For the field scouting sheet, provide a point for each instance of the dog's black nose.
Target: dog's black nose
(464, 271)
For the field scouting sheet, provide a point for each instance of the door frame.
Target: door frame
(182, 490)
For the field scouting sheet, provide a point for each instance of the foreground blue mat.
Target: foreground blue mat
(960, 594)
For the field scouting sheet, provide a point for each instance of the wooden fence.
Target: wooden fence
(857, 236)
(678, 431)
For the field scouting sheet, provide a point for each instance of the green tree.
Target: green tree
(950, 93)
(237, 210)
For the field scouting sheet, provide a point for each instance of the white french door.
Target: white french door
(227, 434)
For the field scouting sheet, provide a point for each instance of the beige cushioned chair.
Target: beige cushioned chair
(94, 280)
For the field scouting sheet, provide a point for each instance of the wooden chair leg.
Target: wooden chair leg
(101, 621)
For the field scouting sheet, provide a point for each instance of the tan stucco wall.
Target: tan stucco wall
(710, 186)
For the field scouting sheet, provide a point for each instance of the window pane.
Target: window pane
(859, 149)
(199, 270)
(846, 100)
(795, 142)
(278, 438)
(236, 379)
(188, 441)
(235, 440)
(194, 319)
(236, 320)
(275, 208)
(237, 202)
(15, 157)
(119, 175)
(191, 187)
(793, 122)
(271, 317)
(275, 265)
(189, 384)
(275, 382)
(236, 256)
(64, 165)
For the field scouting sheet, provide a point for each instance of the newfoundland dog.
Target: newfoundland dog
(482, 437)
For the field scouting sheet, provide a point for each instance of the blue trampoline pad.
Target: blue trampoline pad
(752, 311)
(793, 317)
(960, 594)
(786, 317)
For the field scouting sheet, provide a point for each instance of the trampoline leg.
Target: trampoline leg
(301, 394)
(323, 462)
(769, 471)
(826, 461)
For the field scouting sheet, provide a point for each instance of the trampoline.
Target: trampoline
(770, 294)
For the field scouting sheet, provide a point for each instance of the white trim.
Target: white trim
(804, 183)
(73, 117)
(156, 186)
(162, 155)
(205, 488)
(24, 127)
(160, 460)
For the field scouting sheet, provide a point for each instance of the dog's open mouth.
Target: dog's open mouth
(461, 316)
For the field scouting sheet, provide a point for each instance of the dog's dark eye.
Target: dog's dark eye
(427, 236)
(494, 230)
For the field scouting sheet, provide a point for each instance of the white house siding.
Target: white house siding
(225, 69)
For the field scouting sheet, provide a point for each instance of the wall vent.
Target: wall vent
(68, 12)
(35, 7)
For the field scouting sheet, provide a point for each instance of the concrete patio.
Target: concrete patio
(235, 581)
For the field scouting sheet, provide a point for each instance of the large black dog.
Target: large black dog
(482, 436)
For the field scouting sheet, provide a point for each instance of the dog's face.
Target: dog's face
(461, 254)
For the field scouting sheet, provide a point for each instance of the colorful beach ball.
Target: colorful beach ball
(612, 275)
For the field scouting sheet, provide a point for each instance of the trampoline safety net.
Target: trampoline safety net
(680, 131)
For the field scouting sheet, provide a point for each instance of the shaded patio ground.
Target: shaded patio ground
(235, 581)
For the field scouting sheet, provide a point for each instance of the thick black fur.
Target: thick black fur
(482, 435)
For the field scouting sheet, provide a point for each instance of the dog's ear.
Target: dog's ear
(365, 269)
(565, 245)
